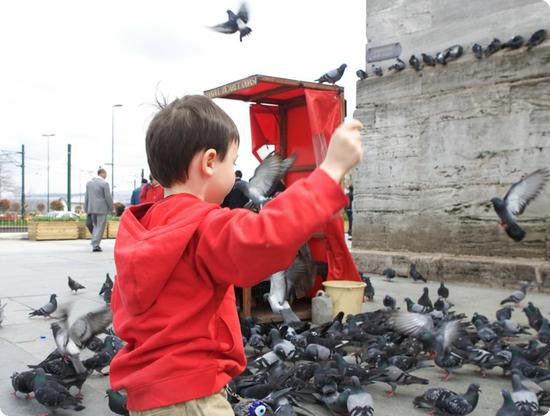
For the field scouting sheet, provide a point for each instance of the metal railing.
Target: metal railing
(12, 223)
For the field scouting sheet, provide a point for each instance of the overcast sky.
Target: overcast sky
(65, 64)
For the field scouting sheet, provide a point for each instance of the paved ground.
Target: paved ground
(31, 271)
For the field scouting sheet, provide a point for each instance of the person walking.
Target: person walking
(349, 209)
(151, 192)
(98, 204)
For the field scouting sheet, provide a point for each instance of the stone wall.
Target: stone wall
(440, 143)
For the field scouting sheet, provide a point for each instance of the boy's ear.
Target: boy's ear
(208, 162)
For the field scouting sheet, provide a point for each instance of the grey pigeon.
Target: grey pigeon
(428, 399)
(415, 62)
(414, 307)
(443, 291)
(318, 352)
(517, 296)
(425, 300)
(389, 302)
(515, 43)
(453, 53)
(74, 285)
(516, 200)
(536, 38)
(398, 66)
(544, 332)
(53, 395)
(494, 46)
(266, 176)
(415, 274)
(377, 70)
(441, 58)
(102, 359)
(108, 284)
(117, 402)
(47, 309)
(359, 402)
(333, 76)
(508, 407)
(235, 22)
(526, 401)
(477, 49)
(394, 376)
(459, 405)
(361, 74)
(389, 273)
(428, 60)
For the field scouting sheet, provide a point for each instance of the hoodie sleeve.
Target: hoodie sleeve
(243, 248)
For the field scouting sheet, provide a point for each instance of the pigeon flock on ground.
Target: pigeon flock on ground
(50, 381)
(292, 365)
(453, 53)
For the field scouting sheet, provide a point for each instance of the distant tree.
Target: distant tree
(119, 208)
(4, 205)
(15, 206)
(56, 205)
(41, 207)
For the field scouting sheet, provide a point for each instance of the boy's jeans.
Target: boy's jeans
(214, 405)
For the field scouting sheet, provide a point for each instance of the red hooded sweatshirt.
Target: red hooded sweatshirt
(173, 300)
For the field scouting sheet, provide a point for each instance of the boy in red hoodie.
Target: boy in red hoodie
(178, 259)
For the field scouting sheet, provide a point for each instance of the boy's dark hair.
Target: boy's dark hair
(100, 171)
(180, 130)
(238, 174)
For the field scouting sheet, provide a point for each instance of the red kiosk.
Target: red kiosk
(296, 117)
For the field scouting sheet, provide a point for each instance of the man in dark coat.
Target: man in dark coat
(236, 198)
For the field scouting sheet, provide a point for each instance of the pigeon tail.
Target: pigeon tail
(515, 232)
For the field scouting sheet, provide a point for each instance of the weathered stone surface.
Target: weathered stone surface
(437, 154)
(483, 270)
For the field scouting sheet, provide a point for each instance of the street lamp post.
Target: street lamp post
(48, 192)
(113, 149)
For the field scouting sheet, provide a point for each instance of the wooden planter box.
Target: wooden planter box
(83, 232)
(112, 229)
(53, 230)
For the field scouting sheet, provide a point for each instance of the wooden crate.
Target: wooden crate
(84, 234)
(53, 230)
(112, 229)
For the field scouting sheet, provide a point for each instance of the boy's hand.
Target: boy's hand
(344, 150)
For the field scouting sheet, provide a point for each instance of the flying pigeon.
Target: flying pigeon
(428, 59)
(47, 309)
(514, 43)
(333, 76)
(74, 285)
(266, 176)
(493, 47)
(377, 70)
(361, 74)
(516, 200)
(415, 63)
(477, 49)
(536, 38)
(235, 22)
(398, 66)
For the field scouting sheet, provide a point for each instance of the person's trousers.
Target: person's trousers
(99, 221)
(349, 213)
(214, 405)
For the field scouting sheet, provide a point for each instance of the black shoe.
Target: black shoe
(96, 249)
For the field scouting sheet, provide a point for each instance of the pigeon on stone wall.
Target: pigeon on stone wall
(428, 59)
(398, 66)
(415, 274)
(536, 38)
(361, 74)
(494, 46)
(235, 22)
(516, 200)
(477, 49)
(453, 53)
(415, 63)
(440, 58)
(514, 43)
(333, 76)
(377, 70)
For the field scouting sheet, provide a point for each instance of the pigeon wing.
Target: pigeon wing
(227, 27)
(412, 324)
(265, 175)
(524, 191)
(243, 13)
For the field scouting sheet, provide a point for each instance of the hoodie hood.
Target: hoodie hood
(150, 241)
